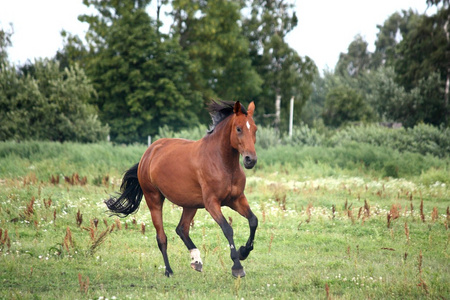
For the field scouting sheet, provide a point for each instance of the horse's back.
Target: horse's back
(168, 165)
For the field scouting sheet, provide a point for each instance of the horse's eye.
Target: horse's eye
(239, 129)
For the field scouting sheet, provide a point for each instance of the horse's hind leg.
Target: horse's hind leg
(155, 202)
(183, 231)
(242, 207)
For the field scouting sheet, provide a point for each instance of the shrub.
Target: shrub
(267, 137)
(194, 133)
(303, 135)
(423, 139)
(48, 104)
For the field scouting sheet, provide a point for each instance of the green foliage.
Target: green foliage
(283, 71)
(354, 158)
(211, 35)
(404, 79)
(5, 42)
(344, 105)
(393, 30)
(387, 97)
(424, 49)
(139, 74)
(423, 139)
(48, 104)
(194, 133)
(356, 61)
(45, 159)
(267, 137)
(304, 136)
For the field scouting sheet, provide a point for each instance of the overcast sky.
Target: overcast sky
(325, 29)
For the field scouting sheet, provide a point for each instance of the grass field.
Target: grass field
(326, 231)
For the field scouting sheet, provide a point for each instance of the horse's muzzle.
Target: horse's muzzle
(250, 161)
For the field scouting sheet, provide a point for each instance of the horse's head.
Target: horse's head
(243, 134)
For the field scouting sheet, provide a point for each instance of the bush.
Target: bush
(48, 104)
(267, 137)
(45, 159)
(304, 136)
(423, 139)
(194, 133)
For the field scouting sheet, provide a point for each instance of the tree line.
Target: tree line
(405, 80)
(127, 79)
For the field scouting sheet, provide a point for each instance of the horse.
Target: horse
(197, 174)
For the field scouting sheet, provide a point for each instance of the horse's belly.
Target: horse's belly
(172, 173)
(179, 191)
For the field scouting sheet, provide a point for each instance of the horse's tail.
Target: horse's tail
(130, 195)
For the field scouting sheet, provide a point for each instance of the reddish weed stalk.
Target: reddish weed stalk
(79, 218)
(422, 215)
(68, 241)
(434, 214)
(308, 212)
(29, 210)
(84, 285)
(271, 240)
(4, 239)
(407, 232)
(389, 217)
(54, 179)
(421, 281)
(75, 179)
(118, 224)
(47, 203)
(327, 290)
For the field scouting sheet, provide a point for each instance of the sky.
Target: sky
(325, 28)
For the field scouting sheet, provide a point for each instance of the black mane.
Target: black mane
(220, 110)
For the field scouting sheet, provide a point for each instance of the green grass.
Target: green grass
(300, 246)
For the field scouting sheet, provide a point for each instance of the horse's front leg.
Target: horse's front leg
(214, 209)
(242, 207)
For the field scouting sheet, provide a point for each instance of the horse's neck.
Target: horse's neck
(219, 143)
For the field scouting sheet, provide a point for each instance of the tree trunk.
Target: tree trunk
(447, 82)
(447, 87)
(277, 113)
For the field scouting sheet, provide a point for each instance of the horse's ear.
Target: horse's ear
(251, 109)
(237, 108)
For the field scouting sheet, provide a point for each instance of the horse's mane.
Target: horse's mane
(220, 110)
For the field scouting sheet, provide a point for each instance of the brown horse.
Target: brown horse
(197, 174)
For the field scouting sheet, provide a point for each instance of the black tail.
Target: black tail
(130, 196)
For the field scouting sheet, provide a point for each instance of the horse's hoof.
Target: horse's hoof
(197, 266)
(168, 273)
(238, 273)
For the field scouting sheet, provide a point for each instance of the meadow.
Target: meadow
(343, 221)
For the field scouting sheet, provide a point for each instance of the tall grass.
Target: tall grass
(97, 161)
(45, 159)
(422, 152)
(423, 139)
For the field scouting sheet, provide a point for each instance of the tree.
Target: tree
(356, 61)
(425, 50)
(48, 104)
(343, 105)
(139, 74)
(390, 34)
(5, 42)
(210, 32)
(284, 72)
